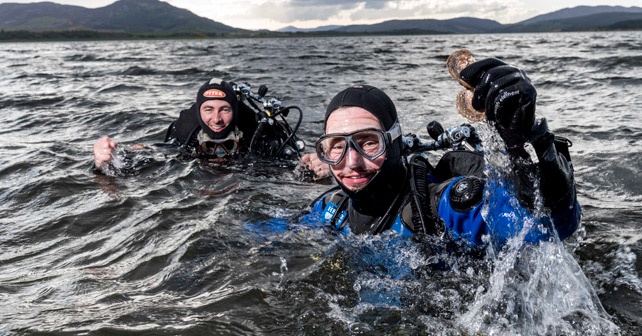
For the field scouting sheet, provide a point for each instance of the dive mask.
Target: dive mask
(219, 148)
(371, 143)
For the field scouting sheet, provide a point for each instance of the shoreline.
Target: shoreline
(90, 35)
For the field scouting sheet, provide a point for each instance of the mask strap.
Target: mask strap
(394, 132)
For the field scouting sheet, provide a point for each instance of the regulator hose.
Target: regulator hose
(292, 132)
(257, 134)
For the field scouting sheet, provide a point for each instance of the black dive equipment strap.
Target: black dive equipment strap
(387, 220)
(419, 168)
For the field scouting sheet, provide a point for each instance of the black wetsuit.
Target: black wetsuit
(184, 130)
(432, 182)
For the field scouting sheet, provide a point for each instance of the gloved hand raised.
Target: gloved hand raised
(507, 95)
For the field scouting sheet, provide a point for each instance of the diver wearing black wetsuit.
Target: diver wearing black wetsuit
(191, 133)
(451, 197)
(220, 125)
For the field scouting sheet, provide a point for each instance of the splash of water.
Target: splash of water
(378, 274)
(129, 160)
(117, 164)
(283, 270)
(534, 289)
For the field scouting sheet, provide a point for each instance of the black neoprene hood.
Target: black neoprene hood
(368, 98)
(375, 198)
(216, 89)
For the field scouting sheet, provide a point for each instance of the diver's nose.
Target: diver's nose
(353, 158)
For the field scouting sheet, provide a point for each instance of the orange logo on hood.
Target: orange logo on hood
(213, 93)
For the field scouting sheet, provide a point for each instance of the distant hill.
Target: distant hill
(41, 16)
(601, 21)
(464, 25)
(131, 16)
(626, 25)
(569, 13)
(292, 29)
(582, 18)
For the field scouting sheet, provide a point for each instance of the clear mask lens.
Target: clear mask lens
(332, 148)
(220, 148)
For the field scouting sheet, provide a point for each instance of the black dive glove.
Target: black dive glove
(508, 97)
(553, 162)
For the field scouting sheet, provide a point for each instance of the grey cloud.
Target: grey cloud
(304, 10)
(343, 4)
(434, 10)
(288, 13)
(376, 4)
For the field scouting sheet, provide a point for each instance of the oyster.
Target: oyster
(458, 61)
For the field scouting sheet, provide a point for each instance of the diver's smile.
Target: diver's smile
(356, 179)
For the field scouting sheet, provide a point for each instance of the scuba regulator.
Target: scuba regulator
(273, 137)
(463, 137)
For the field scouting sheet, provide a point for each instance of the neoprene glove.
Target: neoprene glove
(507, 95)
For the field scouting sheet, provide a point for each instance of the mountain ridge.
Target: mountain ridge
(131, 16)
(578, 11)
(161, 18)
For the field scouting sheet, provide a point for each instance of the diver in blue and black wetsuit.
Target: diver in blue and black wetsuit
(363, 146)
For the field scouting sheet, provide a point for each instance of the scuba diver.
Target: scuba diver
(225, 121)
(380, 188)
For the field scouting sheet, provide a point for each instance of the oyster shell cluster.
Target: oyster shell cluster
(458, 61)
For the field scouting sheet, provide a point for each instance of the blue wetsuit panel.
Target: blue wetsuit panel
(471, 226)
(468, 225)
(331, 208)
(508, 219)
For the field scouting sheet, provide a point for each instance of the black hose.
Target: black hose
(419, 170)
(393, 210)
(256, 107)
(292, 132)
(257, 133)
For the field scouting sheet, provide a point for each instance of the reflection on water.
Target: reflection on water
(181, 247)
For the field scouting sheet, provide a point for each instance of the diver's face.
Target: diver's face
(216, 114)
(354, 171)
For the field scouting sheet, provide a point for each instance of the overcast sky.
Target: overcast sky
(275, 14)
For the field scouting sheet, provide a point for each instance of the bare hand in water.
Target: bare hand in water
(102, 151)
(312, 163)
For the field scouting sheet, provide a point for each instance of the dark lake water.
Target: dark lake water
(182, 247)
